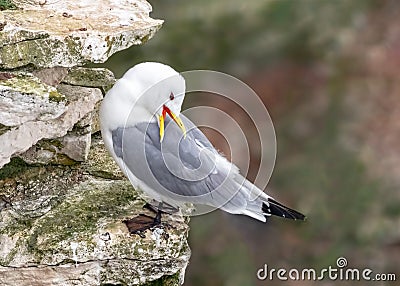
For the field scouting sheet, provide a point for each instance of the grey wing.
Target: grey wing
(184, 169)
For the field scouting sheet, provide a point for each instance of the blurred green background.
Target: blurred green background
(328, 72)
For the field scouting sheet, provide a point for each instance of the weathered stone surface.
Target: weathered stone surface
(99, 163)
(90, 77)
(71, 33)
(81, 101)
(24, 97)
(51, 76)
(63, 226)
(66, 150)
(95, 273)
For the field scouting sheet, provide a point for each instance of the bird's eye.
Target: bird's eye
(171, 96)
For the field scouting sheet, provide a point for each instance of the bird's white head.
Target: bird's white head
(146, 92)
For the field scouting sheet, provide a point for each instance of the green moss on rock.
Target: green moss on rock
(25, 83)
(7, 5)
(55, 96)
(4, 129)
(56, 208)
(80, 214)
(15, 167)
(90, 77)
(166, 280)
(100, 163)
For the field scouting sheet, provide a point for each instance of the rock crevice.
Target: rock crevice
(62, 198)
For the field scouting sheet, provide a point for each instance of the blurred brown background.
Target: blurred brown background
(328, 72)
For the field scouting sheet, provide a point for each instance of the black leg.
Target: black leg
(157, 219)
(165, 208)
(151, 208)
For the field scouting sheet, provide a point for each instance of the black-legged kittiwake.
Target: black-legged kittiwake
(166, 156)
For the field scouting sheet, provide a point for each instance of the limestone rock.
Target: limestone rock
(61, 221)
(90, 77)
(81, 101)
(66, 150)
(51, 76)
(25, 98)
(63, 226)
(70, 33)
(74, 146)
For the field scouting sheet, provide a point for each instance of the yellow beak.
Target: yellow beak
(174, 117)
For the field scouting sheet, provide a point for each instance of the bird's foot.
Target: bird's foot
(139, 224)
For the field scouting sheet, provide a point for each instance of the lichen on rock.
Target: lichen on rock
(65, 33)
(7, 5)
(25, 98)
(90, 77)
(79, 102)
(66, 217)
(63, 199)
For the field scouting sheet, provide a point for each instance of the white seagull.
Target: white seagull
(166, 156)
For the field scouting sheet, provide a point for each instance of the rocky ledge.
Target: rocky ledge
(63, 200)
(69, 33)
(64, 226)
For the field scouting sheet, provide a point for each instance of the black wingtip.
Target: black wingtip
(277, 209)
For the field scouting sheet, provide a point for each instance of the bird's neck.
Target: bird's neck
(117, 114)
(139, 114)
